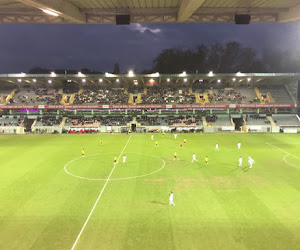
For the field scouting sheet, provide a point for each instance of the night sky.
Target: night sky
(98, 47)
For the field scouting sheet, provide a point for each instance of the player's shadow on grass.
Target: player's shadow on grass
(158, 203)
(235, 169)
(245, 169)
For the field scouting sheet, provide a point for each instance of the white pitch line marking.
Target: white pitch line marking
(101, 192)
(287, 154)
(282, 150)
(285, 160)
(113, 179)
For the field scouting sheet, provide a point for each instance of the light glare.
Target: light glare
(52, 13)
(130, 73)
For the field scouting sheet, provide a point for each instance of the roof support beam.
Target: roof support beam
(187, 9)
(293, 15)
(61, 7)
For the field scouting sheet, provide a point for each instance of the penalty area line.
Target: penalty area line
(282, 150)
(287, 154)
(99, 196)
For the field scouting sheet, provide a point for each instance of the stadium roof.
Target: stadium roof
(147, 11)
(237, 78)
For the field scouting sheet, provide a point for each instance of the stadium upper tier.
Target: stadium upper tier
(80, 90)
(141, 11)
(149, 95)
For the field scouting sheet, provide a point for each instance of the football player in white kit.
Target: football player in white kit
(152, 137)
(239, 145)
(194, 158)
(250, 162)
(175, 136)
(124, 159)
(217, 146)
(240, 161)
(171, 199)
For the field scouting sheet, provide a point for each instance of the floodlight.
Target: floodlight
(83, 80)
(52, 13)
(109, 74)
(130, 73)
(183, 74)
(155, 74)
(240, 74)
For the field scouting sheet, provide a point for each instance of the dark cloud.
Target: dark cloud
(98, 47)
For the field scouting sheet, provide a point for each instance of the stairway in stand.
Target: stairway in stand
(271, 120)
(63, 122)
(204, 121)
(11, 95)
(258, 94)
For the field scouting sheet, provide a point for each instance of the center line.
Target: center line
(88, 218)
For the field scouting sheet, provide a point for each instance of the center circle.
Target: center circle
(96, 159)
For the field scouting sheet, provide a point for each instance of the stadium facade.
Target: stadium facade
(262, 102)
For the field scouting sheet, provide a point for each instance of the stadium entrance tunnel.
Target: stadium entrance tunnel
(238, 122)
(97, 167)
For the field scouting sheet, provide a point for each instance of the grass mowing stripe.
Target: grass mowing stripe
(101, 192)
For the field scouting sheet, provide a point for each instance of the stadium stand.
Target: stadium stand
(278, 93)
(152, 95)
(36, 96)
(219, 120)
(3, 96)
(96, 121)
(173, 121)
(157, 95)
(184, 121)
(286, 120)
(101, 96)
(48, 121)
(230, 95)
(84, 122)
(150, 120)
(11, 121)
(256, 120)
(209, 105)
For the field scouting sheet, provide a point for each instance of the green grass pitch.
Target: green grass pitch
(218, 206)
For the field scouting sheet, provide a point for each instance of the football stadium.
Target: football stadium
(149, 160)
